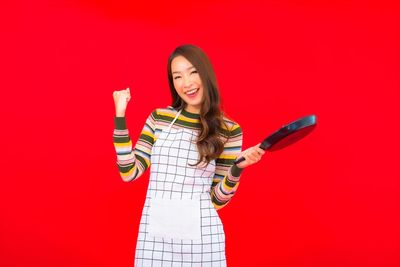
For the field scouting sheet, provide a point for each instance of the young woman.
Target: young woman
(190, 148)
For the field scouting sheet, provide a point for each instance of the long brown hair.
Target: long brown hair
(209, 142)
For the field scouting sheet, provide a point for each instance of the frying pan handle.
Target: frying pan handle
(237, 161)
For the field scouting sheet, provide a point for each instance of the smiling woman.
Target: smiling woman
(191, 147)
(187, 83)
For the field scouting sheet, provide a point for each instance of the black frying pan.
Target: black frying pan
(287, 135)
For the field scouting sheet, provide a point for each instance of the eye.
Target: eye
(176, 77)
(195, 71)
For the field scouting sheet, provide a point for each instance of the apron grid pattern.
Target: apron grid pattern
(172, 178)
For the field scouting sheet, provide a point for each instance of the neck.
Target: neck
(192, 109)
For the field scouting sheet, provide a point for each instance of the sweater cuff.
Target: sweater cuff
(236, 171)
(120, 123)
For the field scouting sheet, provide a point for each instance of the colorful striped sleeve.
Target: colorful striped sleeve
(133, 163)
(227, 174)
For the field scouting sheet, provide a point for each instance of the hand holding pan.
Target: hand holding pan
(287, 134)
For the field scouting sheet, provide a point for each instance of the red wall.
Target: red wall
(330, 200)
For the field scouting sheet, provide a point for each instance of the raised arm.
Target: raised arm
(133, 163)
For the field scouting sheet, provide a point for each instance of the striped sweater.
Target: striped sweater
(132, 163)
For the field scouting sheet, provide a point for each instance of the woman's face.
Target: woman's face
(187, 83)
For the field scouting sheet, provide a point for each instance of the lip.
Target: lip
(192, 90)
(193, 95)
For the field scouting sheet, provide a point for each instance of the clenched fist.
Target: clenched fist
(121, 99)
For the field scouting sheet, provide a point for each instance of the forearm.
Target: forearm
(129, 164)
(225, 189)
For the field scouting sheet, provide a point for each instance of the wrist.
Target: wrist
(120, 113)
(120, 123)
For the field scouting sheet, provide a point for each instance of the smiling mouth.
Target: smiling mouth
(192, 92)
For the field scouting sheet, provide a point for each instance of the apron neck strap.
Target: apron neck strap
(177, 115)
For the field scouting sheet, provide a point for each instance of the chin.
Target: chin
(194, 103)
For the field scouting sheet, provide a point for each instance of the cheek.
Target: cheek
(177, 86)
(202, 90)
(178, 89)
(202, 94)
(201, 86)
(198, 81)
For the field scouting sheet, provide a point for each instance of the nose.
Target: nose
(187, 82)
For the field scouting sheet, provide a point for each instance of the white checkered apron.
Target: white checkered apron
(179, 224)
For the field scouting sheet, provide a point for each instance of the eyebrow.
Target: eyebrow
(174, 72)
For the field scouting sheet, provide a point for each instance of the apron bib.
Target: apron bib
(174, 208)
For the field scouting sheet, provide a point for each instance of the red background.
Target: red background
(330, 200)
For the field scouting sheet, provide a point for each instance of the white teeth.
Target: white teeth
(191, 92)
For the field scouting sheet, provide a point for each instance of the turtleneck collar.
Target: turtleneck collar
(190, 114)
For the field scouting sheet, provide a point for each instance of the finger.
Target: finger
(256, 155)
(254, 152)
(251, 157)
(261, 151)
(116, 95)
(254, 161)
